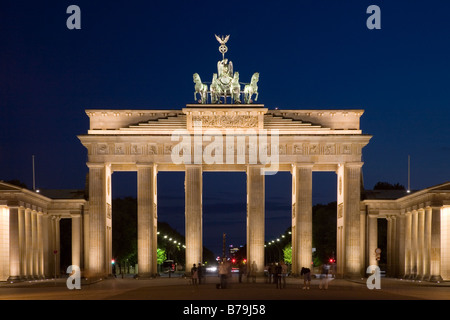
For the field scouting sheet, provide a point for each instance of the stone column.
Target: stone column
(301, 217)
(34, 240)
(28, 244)
(22, 244)
(427, 243)
(47, 246)
(408, 259)
(394, 246)
(99, 186)
(76, 239)
(14, 249)
(389, 246)
(40, 246)
(373, 239)
(147, 221)
(401, 245)
(435, 252)
(57, 235)
(351, 220)
(255, 217)
(414, 243)
(193, 186)
(420, 243)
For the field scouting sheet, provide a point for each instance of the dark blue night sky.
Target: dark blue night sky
(142, 54)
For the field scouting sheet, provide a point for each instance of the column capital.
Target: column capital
(95, 165)
(302, 165)
(354, 164)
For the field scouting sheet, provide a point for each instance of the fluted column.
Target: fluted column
(349, 197)
(414, 243)
(435, 252)
(14, 249)
(40, 245)
(99, 187)
(389, 246)
(420, 243)
(408, 255)
(401, 245)
(301, 217)
(76, 239)
(427, 243)
(147, 220)
(58, 245)
(28, 244)
(373, 239)
(193, 215)
(22, 244)
(34, 232)
(255, 217)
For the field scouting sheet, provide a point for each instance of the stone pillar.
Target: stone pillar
(349, 197)
(301, 217)
(40, 245)
(401, 245)
(435, 252)
(57, 235)
(28, 244)
(34, 235)
(22, 247)
(408, 259)
(76, 239)
(373, 239)
(147, 221)
(414, 244)
(14, 249)
(389, 246)
(46, 245)
(99, 188)
(193, 187)
(394, 246)
(255, 217)
(427, 243)
(420, 243)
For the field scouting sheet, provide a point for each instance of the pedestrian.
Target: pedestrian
(252, 272)
(194, 274)
(223, 274)
(324, 276)
(241, 271)
(306, 273)
(277, 275)
(270, 273)
(200, 273)
(284, 271)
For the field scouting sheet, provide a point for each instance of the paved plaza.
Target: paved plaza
(180, 288)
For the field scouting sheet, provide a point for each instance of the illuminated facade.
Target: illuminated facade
(418, 232)
(227, 137)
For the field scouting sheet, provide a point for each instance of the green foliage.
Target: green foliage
(387, 186)
(287, 254)
(161, 256)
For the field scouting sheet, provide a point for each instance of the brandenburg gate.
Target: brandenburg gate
(225, 130)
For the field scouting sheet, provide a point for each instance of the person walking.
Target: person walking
(306, 273)
(194, 274)
(223, 274)
(200, 273)
(277, 275)
(284, 271)
(324, 276)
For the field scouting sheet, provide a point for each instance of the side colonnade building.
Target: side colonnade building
(30, 231)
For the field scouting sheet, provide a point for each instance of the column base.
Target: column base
(14, 278)
(437, 278)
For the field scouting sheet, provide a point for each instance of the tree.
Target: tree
(287, 254)
(388, 186)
